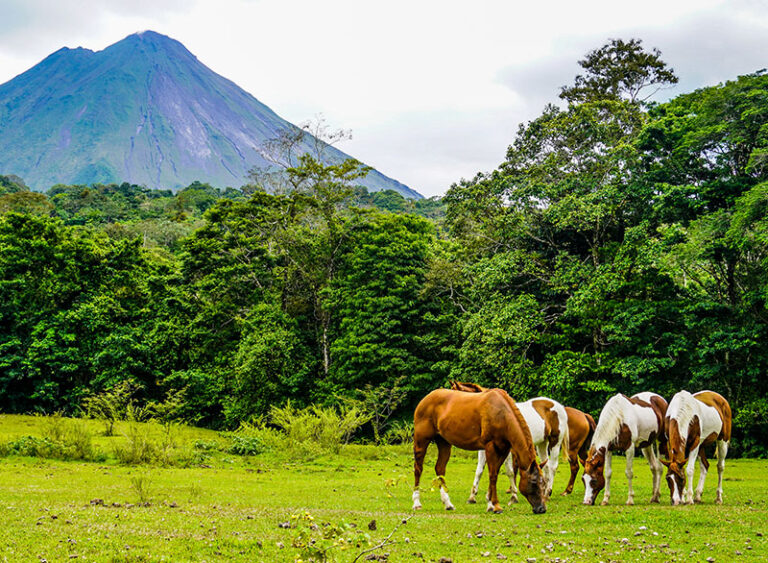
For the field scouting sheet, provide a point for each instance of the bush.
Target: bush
(323, 428)
(401, 432)
(138, 446)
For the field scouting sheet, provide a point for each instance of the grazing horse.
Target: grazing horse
(548, 424)
(581, 427)
(692, 422)
(488, 421)
(625, 423)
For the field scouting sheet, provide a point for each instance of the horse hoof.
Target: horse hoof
(417, 507)
(471, 501)
(718, 501)
(450, 507)
(654, 500)
(630, 503)
(498, 511)
(565, 493)
(604, 503)
(513, 500)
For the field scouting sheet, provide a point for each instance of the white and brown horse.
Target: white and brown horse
(693, 422)
(624, 424)
(488, 421)
(548, 423)
(581, 428)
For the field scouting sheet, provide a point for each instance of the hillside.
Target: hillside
(144, 111)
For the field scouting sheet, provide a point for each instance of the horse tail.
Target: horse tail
(565, 439)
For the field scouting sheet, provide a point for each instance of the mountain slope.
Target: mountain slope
(143, 110)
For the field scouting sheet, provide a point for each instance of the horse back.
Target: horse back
(720, 404)
(466, 420)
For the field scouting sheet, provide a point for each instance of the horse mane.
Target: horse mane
(685, 404)
(609, 423)
(467, 387)
(522, 422)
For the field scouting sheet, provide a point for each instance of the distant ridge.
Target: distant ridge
(145, 111)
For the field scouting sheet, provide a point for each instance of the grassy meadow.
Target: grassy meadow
(211, 505)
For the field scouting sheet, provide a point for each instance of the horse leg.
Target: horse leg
(703, 468)
(651, 453)
(689, 469)
(573, 461)
(628, 472)
(419, 451)
(543, 452)
(511, 470)
(478, 475)
(494, 459)
(607, 471)
(722, 451)
(443, 454)
(554, 461)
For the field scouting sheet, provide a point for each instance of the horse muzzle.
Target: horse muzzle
(541, 509)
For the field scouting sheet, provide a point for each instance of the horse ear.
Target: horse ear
(543, 464)
(665, 462)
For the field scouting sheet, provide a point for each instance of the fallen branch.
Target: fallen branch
(385, 541)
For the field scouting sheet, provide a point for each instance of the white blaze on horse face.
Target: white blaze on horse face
(675, 492)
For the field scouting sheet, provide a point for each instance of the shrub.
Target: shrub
(401, 432)
(326, 428)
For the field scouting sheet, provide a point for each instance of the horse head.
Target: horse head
(675, 479)
(594, 477)
(534, 488)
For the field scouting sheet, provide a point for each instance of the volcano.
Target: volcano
(145, 111)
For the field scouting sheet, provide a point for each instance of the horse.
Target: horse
(488, 421)
(581, 428)
(548, 421)
(692, 422)
(625, 423)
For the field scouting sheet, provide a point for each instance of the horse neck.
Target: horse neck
(682, 408)
(521, 443)
(612, 416)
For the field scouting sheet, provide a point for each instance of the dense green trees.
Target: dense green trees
(620, 246)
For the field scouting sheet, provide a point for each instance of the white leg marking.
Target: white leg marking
(607, 472)
(587, 489)
(628, 472)
(722, 451)
(416, 500)
(700, 486)
(446, 499)
(478, 474)
(689, 469)
(656, 468)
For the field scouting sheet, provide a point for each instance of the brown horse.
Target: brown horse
(581, 427)
(488, 421)
(548, 423)
(692, 422)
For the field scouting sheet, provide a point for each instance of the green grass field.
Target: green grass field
(231, 510)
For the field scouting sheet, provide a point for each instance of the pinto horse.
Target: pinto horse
(692, 422)
(488, 421)
(581, 428)
(625, 423)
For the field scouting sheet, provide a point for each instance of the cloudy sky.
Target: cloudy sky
(433, 90)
